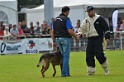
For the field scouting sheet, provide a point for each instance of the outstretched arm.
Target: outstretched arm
(82, 30)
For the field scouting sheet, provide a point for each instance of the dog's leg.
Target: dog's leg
(42, 69)
(45, 69)
(54, 70)
(46, 66)
(61, 67)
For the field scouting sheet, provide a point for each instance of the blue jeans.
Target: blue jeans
(64, 46)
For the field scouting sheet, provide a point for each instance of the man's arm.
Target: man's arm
(105, 27)
(71, 32)
(70, 29)
(82, 30)
(52, 35)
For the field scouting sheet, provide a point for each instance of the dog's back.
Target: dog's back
(54, 58)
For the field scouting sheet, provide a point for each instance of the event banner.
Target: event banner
(11, 47)
(26, 46)
(31, 46)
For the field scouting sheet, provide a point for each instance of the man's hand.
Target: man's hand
(77, 38)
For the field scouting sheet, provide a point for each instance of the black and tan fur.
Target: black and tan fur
(55, 58)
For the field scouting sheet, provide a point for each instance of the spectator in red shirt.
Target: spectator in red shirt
(2, 25)
(1, 33)
(20, 30)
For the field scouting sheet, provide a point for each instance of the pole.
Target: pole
(48, 10)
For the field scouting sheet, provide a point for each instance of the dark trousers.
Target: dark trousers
(95, 49)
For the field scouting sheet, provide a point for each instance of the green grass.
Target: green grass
(22, 68)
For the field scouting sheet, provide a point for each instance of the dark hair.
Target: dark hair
(65, 9)
(14, 25)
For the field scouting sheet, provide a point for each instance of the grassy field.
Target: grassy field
(22, 68)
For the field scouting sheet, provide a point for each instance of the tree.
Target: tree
(29, 3)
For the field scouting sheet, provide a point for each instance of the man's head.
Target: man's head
(37, 23)
(31, 24)
(65, 10)
(123, 21)
(78, 24)
(19, 27)
(90, 11)
(23, 23)
(7, 28)
(52, 19)
(78, 21)
(1, 22)
(20, 24)
(14, 27)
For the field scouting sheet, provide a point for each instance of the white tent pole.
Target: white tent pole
(48, 10)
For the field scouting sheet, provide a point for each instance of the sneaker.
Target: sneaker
(90, 71)
(106, 71)
(90, 74)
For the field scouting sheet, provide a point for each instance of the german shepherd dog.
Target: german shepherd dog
(55, 58)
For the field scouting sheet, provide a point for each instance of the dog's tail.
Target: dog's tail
(42, 61)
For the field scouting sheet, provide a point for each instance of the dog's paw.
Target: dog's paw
(43, 76)
(53, 75)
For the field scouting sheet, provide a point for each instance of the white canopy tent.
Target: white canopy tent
(77, 9)
(8, 11)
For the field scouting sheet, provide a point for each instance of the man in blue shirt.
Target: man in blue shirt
(61, 33)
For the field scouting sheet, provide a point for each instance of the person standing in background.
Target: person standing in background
(6, 31)
(23, 25)
(77, 26)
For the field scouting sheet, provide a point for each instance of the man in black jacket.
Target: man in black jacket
(62, 31)
(95, 27)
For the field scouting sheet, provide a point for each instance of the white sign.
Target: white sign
(115, 20)
(45, 44)
(9, 47)
(31, 46)
(26, 46)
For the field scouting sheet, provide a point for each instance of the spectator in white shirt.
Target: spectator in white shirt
(6, 32)
(14, 31)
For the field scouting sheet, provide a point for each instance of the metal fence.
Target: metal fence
(116, 42)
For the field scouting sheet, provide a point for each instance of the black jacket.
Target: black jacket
(59, 26)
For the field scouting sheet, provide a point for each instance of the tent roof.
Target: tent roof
(95, 3)
(100, 3)
(9, 3)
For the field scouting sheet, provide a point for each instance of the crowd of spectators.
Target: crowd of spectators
(22, 29)
(40, 29)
